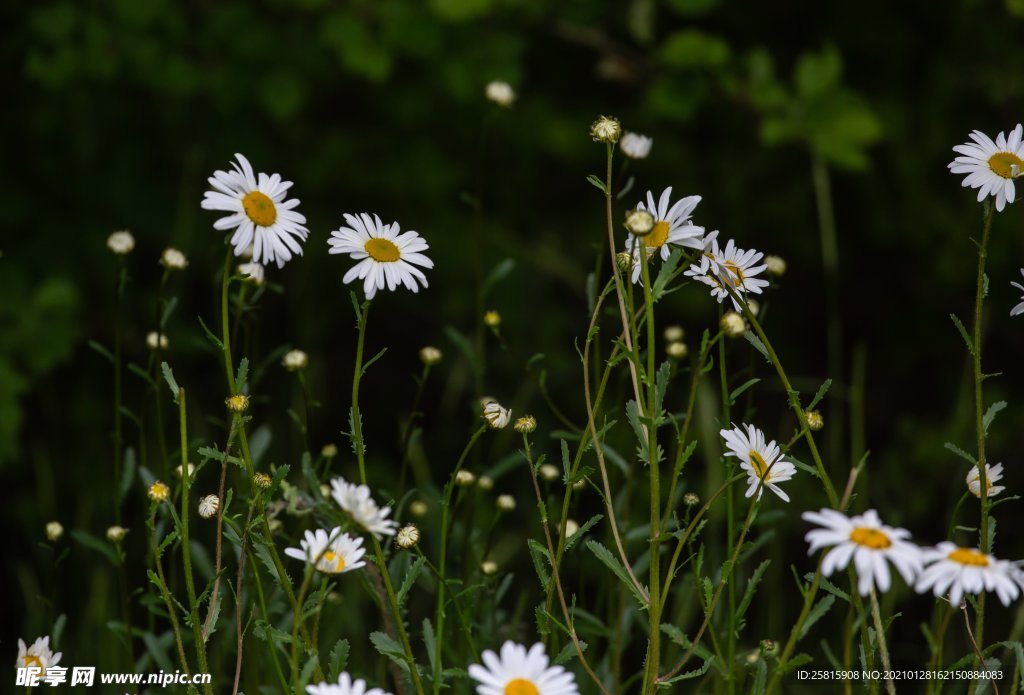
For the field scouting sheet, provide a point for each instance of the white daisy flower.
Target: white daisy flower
(958, 571)
(333, 552)
(520, 672)
(501, 93)
(496, 416)
(672, 227)
(761, 461)
(991, 166)
(993, 474)
(384, 255)
(1019, 309)
(731, 265)
(345, 686)
(868, 542)
(356, 500)
(260, 215)
(635, 145)
(252, 272)
(39, 655)
(208, 506)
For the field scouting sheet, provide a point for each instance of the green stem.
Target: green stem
(730, 521)
(225, 317)
(876, 617)
(172, 611)
(298, 620)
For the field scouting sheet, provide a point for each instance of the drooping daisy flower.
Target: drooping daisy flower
(993, 474)
(496, 416)
(345, 686)
(208, 506)
(252, 272)
(356, 500)
(672, 227)
(385, 256)
(991, 166)
(260, 215)
(732, 266)
(39, 655)
(761, 461)
(868, 542)
(958, 571)
(333, 552)
(1019, 309)
(635, 145)
(520, 672)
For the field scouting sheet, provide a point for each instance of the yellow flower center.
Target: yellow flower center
(870, 538)
(966, 556)
(382, 250)
(32, 661)
(657, 236)
(1003, 163)
(521, 686)
(734, 269)
(332, 562)
(260, 208)
(759, 464)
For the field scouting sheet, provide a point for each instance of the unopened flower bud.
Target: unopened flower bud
(639, 222)
(674, 334)
(54, 530)
(814, 420)
(571, 527)
(418, 508)
(526, 424)
(606, 129)
(635, 145)
(464, 478)
(690, 499)
(262, 481)
(624, 260)
(329, 451)
(501, 93)
(496, 416)
(116, 534)
(407, 537)
(776, 265)
(208, 506)
(489, 567)
(158, 492)
(121, 243)
(550, 472)
(677, 350)
(294, 360)
(733, 325)
(156, 340)
(238, 403)
(173, 259)
(485, 482)
(430, 355)
(506, 503)
(492, 319)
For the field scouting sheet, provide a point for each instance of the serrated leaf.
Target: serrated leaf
(963, 333)
(751, 338)
(390, 648)
(338, 659)
(751, 588)
(696, 673)
(410, 579)
(991, 413)
(961, 453)
(578, 536)
(242, 374)
(539, 555)
(819, 610)
(210, 335)
(568, 653)
(169, 378)
(611, 562)
(822, 390)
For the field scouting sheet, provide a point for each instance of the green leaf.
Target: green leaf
(611, 562)
(541, 561)
(91, 541)
(390, 648)
(497, 274)
(597, 183)
(430, 642)
(210, 336)
(242, 375)
(578, 536)
(963, 333)
(338, 659)
(748, 592)
(696, 673)
(568, 653)
(169, 378)
(752, 338)
(102, 351)
(819, 610)
(738, 391)
(822, 390)
(961, 453)
(991, 413)
(794, 663)
(410, 579)
(818, 74)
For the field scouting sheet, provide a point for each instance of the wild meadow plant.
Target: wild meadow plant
(300, 546)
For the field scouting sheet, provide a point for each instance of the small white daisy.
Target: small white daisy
(672, 227)
(958, 571)
(731, 265)
(252, 272)
(993, 474)
(761, 461)
(1019, 309)
(991, 166)
(385, 256)
(121, 243)
(635, 145)
(868, 542)
(520, 672)
(333, 552)
(356, 500)
(260, 215)
(345, 686)
(39, 655)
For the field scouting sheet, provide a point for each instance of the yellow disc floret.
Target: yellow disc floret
(966, 556)
(870, 538)
(260, 208)
(521, 686)
(1006, 164)
(382, 250)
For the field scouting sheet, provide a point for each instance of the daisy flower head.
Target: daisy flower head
(259, 213)
(518, 671)
(729, 270)
(991, 166)
(672, 227)
(345, 686)
(386, 256)
(39, 655)
(252, 272)
(958, 571)
(635, 145)
(868, 542)
(993, 474)
(1019, 309)
(761, 460)
(332, 552)
(356, 500)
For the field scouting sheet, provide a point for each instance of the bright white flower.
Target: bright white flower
(39, 655)
(501, 93)
(295, 360)
(208, 506)
(993, 474)
(356, 500)
(1019, 309)
(635, 145)
(759, 459)
(733, 266)
(958, 571)
(345, 686)
(54, 530)
(868, 542)
(672, 227)
(496, 416)
(252, 272)
(121, 242)
(991, 166)
(333, 552)
(385, 256)
(173, 259)
(156, 340)
(260, 215)
(517, 671)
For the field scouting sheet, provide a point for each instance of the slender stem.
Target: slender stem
(466, 629)
(798, 627)
(730, 520)
(225, 317)
(215, 592)
(876, 617)
(298, 620)
(239, 579)
(118, 428)
(357, 376)
(172, 611)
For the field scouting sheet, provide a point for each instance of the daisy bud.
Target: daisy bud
(418, 508)
(496, 416)
(754, 307)
(156, 340)
(173, 259)
(506, 503)
(159, 492)
(275, 525)
(733, 325)
(329, 451)
(116, 534)
(252, 272)
(294, 360)
(464, 478)
(489, 567)
(677, 350)
(673, 334)
(492, 319)
(407, 537)
(753, 657)
(325, 490)
(606, 129)
(579, 484)
(526, 424)
(776, 265)
(191, 471)
(262, 481)
(639, 222)
(993, 474)
(485, 482)
(624, 259)
(571, 527)
(430, 355)
(814, 420)
(690, 499)
(501, 93)
(54, 530)
(238, 403)
(121, 243)
(208, 506)
(550, 472)
(769, 647)
(635, 145)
